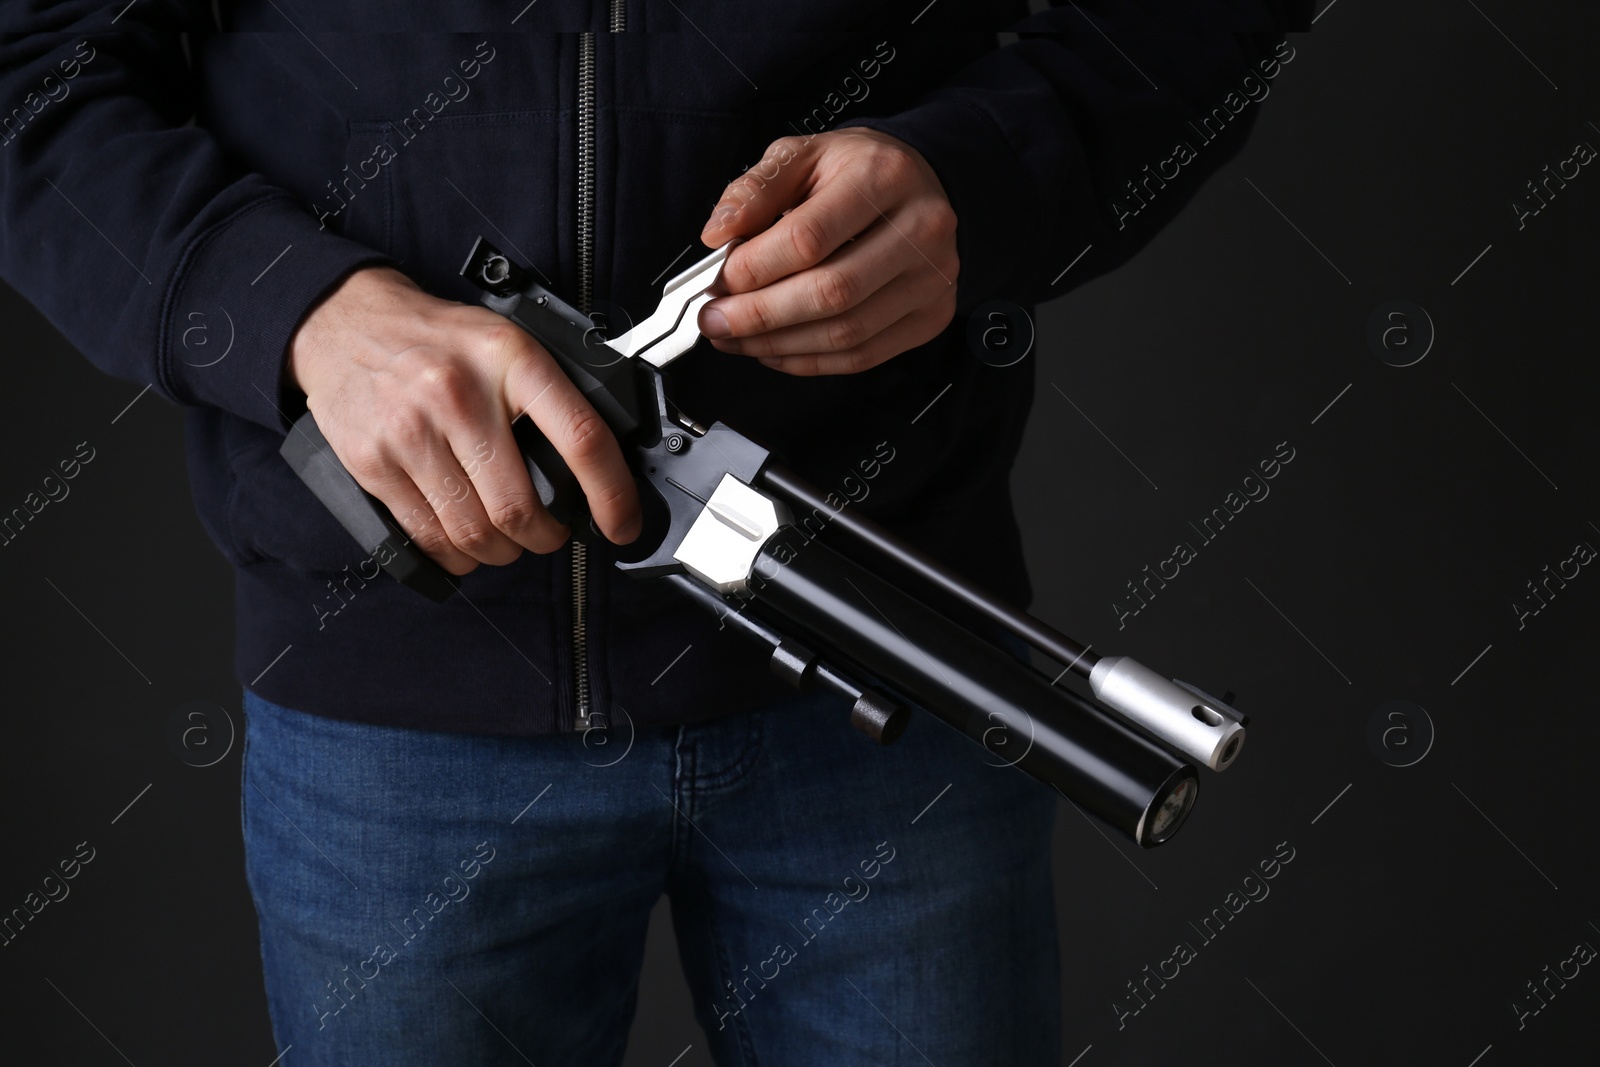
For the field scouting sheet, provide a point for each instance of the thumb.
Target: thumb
(752, 201)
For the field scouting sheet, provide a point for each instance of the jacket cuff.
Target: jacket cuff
(991, 200)
(237, 298)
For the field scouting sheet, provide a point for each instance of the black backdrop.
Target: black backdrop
(1383, 567)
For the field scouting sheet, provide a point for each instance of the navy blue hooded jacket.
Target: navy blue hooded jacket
(218, 168)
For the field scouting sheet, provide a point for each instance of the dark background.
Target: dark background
(1385, 561)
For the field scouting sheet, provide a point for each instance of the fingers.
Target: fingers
(752, 200)
(836, 333)
(841, 306)
(436, 486)
(847, 279)
(868, 240)
(423, 529)
(847, 180)
(536, 385)
(376, 470)
(487, 513)
(805, 236)
(500, 477)
(416, 396)
(917, 328)
(461, 526)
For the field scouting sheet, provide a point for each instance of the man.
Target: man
(458, 817)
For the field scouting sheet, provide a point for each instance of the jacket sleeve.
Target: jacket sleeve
(129, 227)
(1090, 131)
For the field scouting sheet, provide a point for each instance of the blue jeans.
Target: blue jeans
(434, 898)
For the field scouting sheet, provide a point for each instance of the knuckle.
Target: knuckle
(749, 317)
(739, 273)
(609, 497)
(503, 340)
(366, 460)
(845, 333)
(892, 166)
(787, 146)
(584, 433)
(747, 186)
(835, 290)
(514, 514)
(449, 386)
(473, 537)
(737, 193)
(408, 428)
(808, 238)
(431, 539)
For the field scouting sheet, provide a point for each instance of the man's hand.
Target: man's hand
(417, 396)
(861, 267)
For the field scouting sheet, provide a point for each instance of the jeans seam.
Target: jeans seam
(681, 768)
(244, 759)
(684, 777)
(244, 840)
(747, 1049)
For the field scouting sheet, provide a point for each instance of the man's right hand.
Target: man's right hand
(416, 395)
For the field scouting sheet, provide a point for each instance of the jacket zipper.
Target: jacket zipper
(584, 717)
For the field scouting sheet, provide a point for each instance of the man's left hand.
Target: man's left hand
(860, 267)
